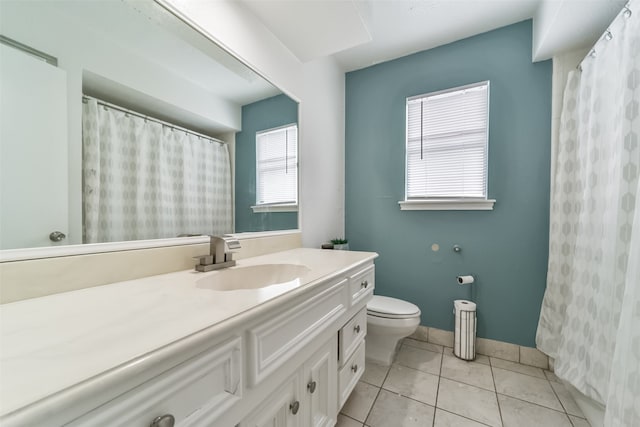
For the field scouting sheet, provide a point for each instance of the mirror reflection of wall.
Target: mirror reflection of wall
(130, 53)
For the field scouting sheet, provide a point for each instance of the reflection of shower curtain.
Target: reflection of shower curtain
(590, 318)
(143, 180)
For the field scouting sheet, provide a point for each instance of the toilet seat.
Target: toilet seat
(391, 308)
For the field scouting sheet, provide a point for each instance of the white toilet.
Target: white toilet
(388, 321)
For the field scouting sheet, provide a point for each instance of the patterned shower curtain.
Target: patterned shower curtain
(144, 180)
(590, 318)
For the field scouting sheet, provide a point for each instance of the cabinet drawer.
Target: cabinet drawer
(201, 387)
(276, 340)
(361, 284)
(350, 374)
(351, 335)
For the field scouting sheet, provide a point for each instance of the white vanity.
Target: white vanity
(277, 340)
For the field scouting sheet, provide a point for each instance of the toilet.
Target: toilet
(388, 321)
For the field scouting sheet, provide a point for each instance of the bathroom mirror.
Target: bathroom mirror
(138, 60)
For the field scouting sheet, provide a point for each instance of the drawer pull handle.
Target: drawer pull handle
(354, 368)
(163, 421)
(311, 387)
(364, 284)
(357, 329)
(295, 407)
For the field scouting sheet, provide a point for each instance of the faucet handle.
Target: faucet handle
(232, 243)
(204, 259)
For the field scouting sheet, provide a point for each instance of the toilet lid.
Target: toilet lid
(391, 307)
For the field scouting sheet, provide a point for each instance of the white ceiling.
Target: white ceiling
(360, 33)
(171, 45)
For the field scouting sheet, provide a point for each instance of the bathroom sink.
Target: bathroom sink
(253, 277)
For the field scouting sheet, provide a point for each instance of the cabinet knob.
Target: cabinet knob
(364, 284)
(311, 386)
(57, 236)
(354, 368)
(357, 329)
(166, 420)
(295, 406)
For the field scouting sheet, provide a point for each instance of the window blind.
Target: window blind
(277, 166)
(447, 144)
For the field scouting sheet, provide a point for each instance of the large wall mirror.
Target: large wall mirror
(120, 122)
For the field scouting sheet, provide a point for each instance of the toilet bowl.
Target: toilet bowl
(388, 321)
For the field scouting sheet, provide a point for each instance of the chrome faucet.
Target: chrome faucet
(218, 256)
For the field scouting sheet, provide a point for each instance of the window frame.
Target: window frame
(448, 203)
(276, 206)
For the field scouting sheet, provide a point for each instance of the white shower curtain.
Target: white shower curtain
(144, 180)
(590, 318)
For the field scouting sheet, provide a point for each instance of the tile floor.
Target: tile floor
(428, 386)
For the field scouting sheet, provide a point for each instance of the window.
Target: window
(277, 169)
(447, 149)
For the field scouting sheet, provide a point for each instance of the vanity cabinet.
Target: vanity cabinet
(281, 409)
(201, 388)
(321, 384)
(291, 360)
(351, 339)
(306, 399)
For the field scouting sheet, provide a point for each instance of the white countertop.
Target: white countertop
(54, 342)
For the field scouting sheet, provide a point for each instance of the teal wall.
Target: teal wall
(506, 249)
(266, 114)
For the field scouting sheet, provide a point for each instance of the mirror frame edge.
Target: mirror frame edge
(43, 252)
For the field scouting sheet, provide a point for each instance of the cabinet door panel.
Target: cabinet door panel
(202, 387)
(277, 411)
(322, 385)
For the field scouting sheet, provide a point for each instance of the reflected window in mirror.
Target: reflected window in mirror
(260, 204)
(277, 167)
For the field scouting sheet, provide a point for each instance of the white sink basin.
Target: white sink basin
(253, 277)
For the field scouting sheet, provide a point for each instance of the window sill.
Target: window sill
(447, 205)
(275, 208)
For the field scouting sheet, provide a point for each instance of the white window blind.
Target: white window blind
(277, 166)
(447, 144)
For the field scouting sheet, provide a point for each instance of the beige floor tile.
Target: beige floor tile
(579, 422)
(412, 383)
(423, 345)
(469, 401)
(517, 413)
(374, 373)
(480, 358)
(447, 419)
(392, 410)
(422, 360)
(567, 401)
(360, 402)
(472, 373)
(525, 387)
(517, 367)
(344, 421)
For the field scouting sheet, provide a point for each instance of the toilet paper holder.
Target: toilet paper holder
(466, 279)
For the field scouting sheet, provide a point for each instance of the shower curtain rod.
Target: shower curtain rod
(607, 35)
(153, 119)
